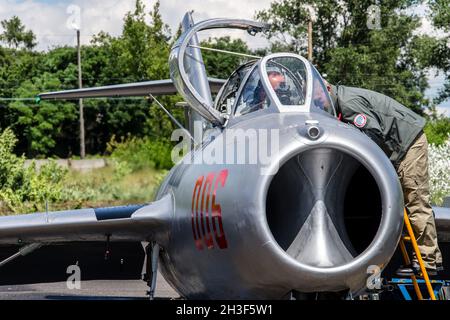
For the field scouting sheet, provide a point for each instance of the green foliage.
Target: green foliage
(14, 34)
(108, 186)
(391, 60)
(138, 154)
(438, 131)
(51, 128)
(440, 10)
(221, 65)
(11, 174)
(22, 187)
(439, 162)
(352, 54)
(129, 178)
(41, 125)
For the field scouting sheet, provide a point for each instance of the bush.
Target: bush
(24, 187)
(439, 167)
(140, 153)
(438, 131)
(130, 178)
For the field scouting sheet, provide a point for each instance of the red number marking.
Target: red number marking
(208, 199)
(195, 196)
(217, 211)
(208, 184)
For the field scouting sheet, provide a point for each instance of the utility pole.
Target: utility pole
(80, 85)
(312, 18)
(310, 41)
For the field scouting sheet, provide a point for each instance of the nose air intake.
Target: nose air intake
(318, 242)
(325, 208)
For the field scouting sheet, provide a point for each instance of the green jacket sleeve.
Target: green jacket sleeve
(358, 112)
(392, 126)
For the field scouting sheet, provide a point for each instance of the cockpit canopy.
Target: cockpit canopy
(283, 82)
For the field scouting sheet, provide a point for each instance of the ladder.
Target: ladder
(411, 238)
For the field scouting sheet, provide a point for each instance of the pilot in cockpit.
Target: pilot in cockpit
(278, 83)
(288, 85)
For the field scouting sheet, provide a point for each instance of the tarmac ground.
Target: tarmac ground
(90, 290)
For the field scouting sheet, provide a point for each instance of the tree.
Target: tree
(440, 55)
(221, 65)
(14, 34)
(351, 53)
(140, 53)
(22, 188)
(440, 13)
(42, 126)
(438, 131)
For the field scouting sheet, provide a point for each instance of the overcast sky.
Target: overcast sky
(49, 19)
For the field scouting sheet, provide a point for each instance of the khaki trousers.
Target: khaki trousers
(413, 175)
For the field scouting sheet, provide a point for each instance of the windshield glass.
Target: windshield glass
(253, 96)
(321, 98)
(227, 96)
(287, 77)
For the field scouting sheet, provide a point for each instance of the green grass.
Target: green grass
(135, 169)
(104, 187)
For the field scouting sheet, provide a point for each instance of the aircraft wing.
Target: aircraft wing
(442, 217)
(138, 89)
(130, 223)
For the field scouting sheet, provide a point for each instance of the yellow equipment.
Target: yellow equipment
(411, 238)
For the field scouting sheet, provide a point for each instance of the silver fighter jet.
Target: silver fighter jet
(325, 208)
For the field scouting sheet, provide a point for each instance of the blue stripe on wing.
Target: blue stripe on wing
(116, 212)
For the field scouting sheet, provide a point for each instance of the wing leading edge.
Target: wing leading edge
(131, 223)
(138, 89)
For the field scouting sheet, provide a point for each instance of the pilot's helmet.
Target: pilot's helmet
(278, 82)
(276, 79)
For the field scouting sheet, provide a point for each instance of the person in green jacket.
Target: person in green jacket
(398, 131)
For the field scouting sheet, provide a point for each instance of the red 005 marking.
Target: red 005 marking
(207, 213)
